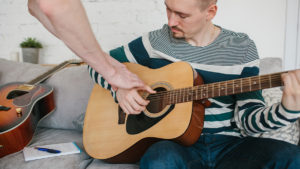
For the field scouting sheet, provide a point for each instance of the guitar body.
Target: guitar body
(111, 135)
(21, 107)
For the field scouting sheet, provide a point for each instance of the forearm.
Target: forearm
(253, 117)
(67, 20)
(35, 10)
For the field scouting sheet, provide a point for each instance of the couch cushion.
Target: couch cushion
(45, 136)
(99, 164)
(72, 87)
(19, 72)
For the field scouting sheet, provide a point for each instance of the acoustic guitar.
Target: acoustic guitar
(175, 112)
(22, 105)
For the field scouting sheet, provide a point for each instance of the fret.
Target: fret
(270, 81)
(213, 91)
(175, 95)
(241, 85)
(209, 91)
(265, 81)
(187, 94)
(172, 97)
(250, 87)
(255, 83)
(226, 93)
(229, 85)
(168, 97)
(223, 89)
(204, 91)
(237, 86)
(191, 94)
(196, 93)
(219, 89)
(201, 92)
(179, 96)
(183, 97)
(207, 88)
(276, 80)
(233, 87)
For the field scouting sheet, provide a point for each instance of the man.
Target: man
(216, 54)
(67, 20)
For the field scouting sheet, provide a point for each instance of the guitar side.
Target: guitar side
(18, 124)
(104, 138)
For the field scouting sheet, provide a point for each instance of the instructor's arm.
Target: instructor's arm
(67, 20)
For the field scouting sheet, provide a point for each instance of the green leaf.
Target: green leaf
(30, 43)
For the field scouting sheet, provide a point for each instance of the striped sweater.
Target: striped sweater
(231, 56)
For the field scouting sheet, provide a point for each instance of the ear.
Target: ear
(211, 12)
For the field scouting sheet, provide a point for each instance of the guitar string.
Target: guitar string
(183, 93)
(202, 87)
(205, 87)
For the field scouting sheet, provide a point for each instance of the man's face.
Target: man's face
(185, 18)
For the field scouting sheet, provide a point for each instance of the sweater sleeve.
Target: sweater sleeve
(251, 114)
(132, 52)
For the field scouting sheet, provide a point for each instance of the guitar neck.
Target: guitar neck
(46, 75)
(218, 89)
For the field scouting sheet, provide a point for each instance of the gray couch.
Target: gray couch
(72, 87)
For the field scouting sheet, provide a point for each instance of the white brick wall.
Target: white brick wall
(116, 22)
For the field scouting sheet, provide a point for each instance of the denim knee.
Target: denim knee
(163, 154)
(287, 157)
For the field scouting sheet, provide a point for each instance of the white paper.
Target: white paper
(30, 153)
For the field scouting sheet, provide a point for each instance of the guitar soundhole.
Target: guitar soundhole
(156, 104)
(15, 93)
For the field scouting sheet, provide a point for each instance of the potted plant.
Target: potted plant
(30, 50)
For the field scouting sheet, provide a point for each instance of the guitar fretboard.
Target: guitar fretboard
(44, 76)
(218, 89)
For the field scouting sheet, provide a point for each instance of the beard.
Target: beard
(177, 33)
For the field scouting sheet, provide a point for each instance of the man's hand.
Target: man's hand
(131, 102)
(291, 93)
(122, 77)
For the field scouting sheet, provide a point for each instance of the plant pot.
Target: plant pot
(30, 55)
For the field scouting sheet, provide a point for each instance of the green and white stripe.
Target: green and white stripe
(231, 56)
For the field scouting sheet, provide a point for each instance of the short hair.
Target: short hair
(206, 3)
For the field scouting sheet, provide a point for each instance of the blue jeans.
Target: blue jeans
(223, 152)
